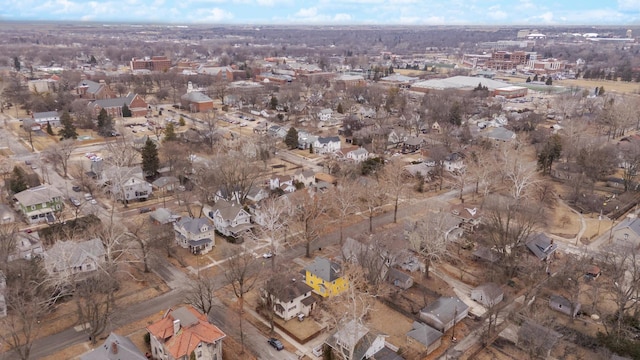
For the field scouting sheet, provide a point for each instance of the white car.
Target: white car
(267, 255)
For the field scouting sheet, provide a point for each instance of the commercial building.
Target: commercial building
(155, 63)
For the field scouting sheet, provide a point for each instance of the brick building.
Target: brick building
(155, 63)
(135, 102)
(87, 89)
(507, 60)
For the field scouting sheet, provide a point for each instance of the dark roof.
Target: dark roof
(324, 269)
(487, 254)
(492, 290)
(445, 308)
(200, 242)
(117, 102)
(326, 140)
(286, 287)
(541, 245)
(92, 86)
(387, 354)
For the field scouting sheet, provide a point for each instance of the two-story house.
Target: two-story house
(39, 204)
(325, 277)
(185, 333)
(195, 234)
(306, 177)
(133, 188)
(454, 162)
(324, 145)
(229, 218)
(67, 258)
(27, 246)
(358, 155)
(289, 296)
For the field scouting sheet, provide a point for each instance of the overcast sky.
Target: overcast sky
(383, 12)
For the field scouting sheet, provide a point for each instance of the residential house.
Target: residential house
(324, 145)
(541, 246)
(499, 135)
(359, 155)
(195, 234)
(27, 246)
(166, 183)
(134, 188)
(277, 131)
(163, 216)
(324, 115)
(538, 338)
(47, 117)
(325, 277)
(113, 106)
(397, 136)
(469, 217)
(424, 338)
(412, 144)
(256, 194)
(436, 128)
(280, 181)
(290, 297)
(306, 177)
(353, 338)
(444, 313)
(115, 347)
(183, 332)
(564, 305)
(454, 162)
(489, 294)
(7, 215)
(305, 140)
(229, 218)
(87, 89)
(486, 254)
(399, 278)
(39, 204)
(67, 258)
(627, 232)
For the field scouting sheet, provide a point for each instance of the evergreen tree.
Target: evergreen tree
(535, 78)
(181, 121)
(126, 112)
(150, 160)
(455, 117)
(16, 63)
(291, 140)
(550, 152)
(601, 91)
(528, 79)
(49, 129)
(274, 102)
(340, 109)
(93, 60)
(17, 182)
(105, 123)
(68, 130)
(549, 81)
(170, 133)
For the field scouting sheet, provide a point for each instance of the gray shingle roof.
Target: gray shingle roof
(492, 290)
(44, 115)
(193, 225)
(196, 97)
(92, 86)
(116, 102)
(68, 254)
(124, 349)
(37, 195)
(541, 245)
(632, 224)
(285, 289)
(445, 308)
(324, 269)
(424, 334)
(326, 140)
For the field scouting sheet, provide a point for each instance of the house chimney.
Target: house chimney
(176, 326)
(114, 347)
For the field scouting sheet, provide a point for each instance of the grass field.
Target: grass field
(612, 86)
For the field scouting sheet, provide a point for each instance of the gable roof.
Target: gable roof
(228, 210)
(328, 139)
(68, 254)
(192, 225)
(500, 133)
(541, 245)
(424, 334)
(46, 114)
(37, 195)
(194, 329)
(445, 308)
(116, 102)
(286, 288)
(196, 97)
(115, 347)
(92, 86)
(491, 290)
(632, 224)
(324, 269)
(538, 336)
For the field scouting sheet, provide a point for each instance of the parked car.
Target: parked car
(267, 255)
(76, 188)
(93, 202)
(74, 201)
(144, 210)
(88, 197)
(275, 343)
(317, 351)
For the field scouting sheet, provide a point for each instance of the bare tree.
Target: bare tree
(174, 155)
(307, 214)
(95, 301)
(631, 164)
(59, 154)
(272, 218)
(201, 294)
(236, 174)
(343, 202)
(395, 180)
(428, 238)
(623, 276)
(372, 197)
(520, 175)
(239, 275)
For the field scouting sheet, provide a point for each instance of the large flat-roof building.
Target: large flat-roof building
(154, 63)
(469, 83)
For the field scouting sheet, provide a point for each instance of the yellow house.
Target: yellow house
(325, 277)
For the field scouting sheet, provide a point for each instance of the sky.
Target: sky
(330, 12)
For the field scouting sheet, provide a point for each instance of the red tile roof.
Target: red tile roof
(188, 337)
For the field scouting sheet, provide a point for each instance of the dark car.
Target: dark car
(275, 343)
(76, 188)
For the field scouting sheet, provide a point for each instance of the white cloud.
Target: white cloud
(498, 15)
(629, 5)
(215, 15)
(342, 17)
(307, 13)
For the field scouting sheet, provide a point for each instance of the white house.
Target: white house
(355, 338)
(324, 145)
(27, 246)
(195, 234)
(489, 294)
(359, 155)
(290, 297)
(67, 258)
(306, 177)
(454, 162)
(229, 218)
(445, 312)
(42, 118)
(325, 114)
(131, 189)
